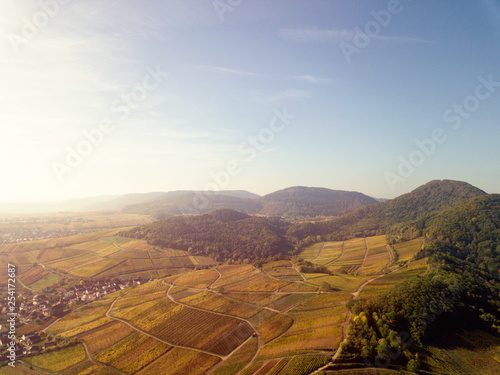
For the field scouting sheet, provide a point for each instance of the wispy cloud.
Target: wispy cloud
(290, 94)
(235, 72)
(314, 35)
(310, 78)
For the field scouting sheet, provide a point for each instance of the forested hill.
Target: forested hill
(398, 213)
(304, 202)
(223, 234)
(471, 230)
(192, 202)
(459, 292)
(293, 203)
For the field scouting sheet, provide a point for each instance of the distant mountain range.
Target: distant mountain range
(227, 233)
(292, 203)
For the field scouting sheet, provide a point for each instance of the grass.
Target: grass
(45, 281)
(32, 274)
(58, 360)
(384, 284)
(407, 250)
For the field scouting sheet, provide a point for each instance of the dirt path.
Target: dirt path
(154, 337)
(260, 343)
(366, 255)
(319, 253)
(218, 278)
(55, 321)
(348, 318)
(221, 314)
(340, 256)
(391, 254)
(259, 338)
(24, 286)
(153, 264)
(91, 358)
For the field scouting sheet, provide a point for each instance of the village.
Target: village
(45, 308)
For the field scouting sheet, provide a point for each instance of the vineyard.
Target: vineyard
(232, 319)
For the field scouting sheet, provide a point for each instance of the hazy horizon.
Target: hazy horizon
(112, 98)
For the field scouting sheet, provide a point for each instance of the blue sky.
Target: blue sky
(257, 95)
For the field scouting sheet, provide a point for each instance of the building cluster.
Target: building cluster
(35, 234)
(42, 307)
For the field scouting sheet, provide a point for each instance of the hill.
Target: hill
(306, 202)
(196, 202)
(223, 234)
(460, 291)
(122, 201)
(292, 203)
(396, 215)
(472, 231)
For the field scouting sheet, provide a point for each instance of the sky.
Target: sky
(114, 97)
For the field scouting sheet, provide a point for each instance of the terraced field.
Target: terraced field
(232, 319)
(98, 255)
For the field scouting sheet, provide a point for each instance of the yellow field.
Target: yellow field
(133, 353)
(77, 318)
(180, 361)
(378, 256)
(408, 250)
(312, 319)
(330, 252)
(238, 359)
(58, 360)
(326, 338)
(106, 336)
(197, 279)
(310, 253)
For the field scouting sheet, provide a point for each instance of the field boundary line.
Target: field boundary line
(96, 362)
(154, 337)
(340, 256)
(216, 313)
(345, 325)
(319, 252)
(217, 279)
